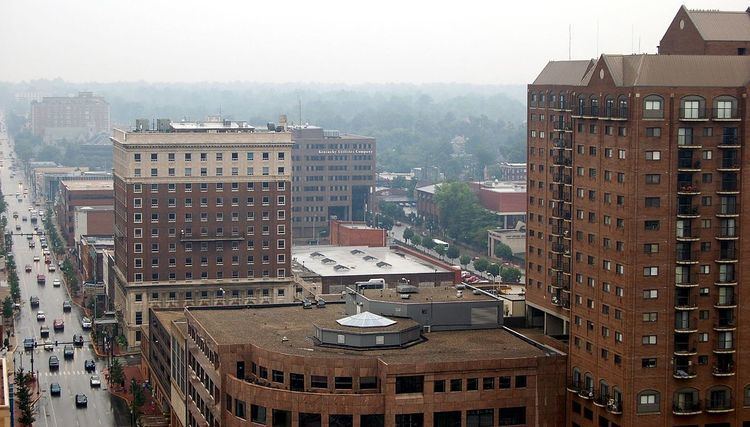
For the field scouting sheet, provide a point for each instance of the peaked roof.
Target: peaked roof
(366, 320)
(721, 25)
(652, 70)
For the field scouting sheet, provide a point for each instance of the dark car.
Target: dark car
(81, 401)
(28, 343)
(44, 331)
(54, 363)
(66, 306)
(78, 340)
(34, 301)
(89, 365)
(68, 352)
(55, 389)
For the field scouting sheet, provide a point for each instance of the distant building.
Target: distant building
(334, 174)
(335, 267)
(91, 252)
(70, 117)
(427, 175)
(426, 206)
(511, 171)
(356, 233)
(75, 194)
(94, 221)
(707, 32)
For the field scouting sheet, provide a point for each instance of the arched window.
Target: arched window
(719, 398)
(686, 401)
(581, 105)
(532, 99)
(609, 107)
(552, 100)
(653, 107)
(725, 107)
(588, 384)
(746, 396)
(603, 391)
(562, 101)
(648, 401)
(614, 403)
(577, 378)
(622, 107)
(693, 107)
(594, 106)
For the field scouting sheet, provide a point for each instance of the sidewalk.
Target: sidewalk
(123, 392)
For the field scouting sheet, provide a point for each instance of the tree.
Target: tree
(464, 260)
(481, 264)
(7, 307)
(139, 398)
(511, 274)
(428, 242)
(493, 269)
(440, 250)
(408, 234)
(503, 251)
(23, 398)
(116, 373)
(452, 252)
(416, 240)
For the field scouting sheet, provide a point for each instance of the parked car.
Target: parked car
(24, 218)
(95, 381)
(55, 389)
(32, 245)
(86, 323)
(18, 227)
(54, 363)
(89, 365)
(67, 306)
(51, 268)
(81, 401)
(68, 351)
(58, 325)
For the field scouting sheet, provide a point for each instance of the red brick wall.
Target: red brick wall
(688, 41)
(341, 235)
(502, 202)
(100, 223)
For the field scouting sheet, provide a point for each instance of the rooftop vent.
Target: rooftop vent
(356, 252)
(316, 255)
(328, 261)
(339, 267)
(407, 289)
(366, 320)
(383, 264)
(369, 258)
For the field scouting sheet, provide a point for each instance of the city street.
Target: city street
(103, 409)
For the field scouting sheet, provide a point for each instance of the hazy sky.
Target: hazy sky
(353, 41)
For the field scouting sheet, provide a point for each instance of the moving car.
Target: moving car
(40, 317)
(44, 331)
(32, 245)
(86, 323)
(28, 343)
(34, 301)
(55, 389)
(40, 279)
(24, 218)
(51, 268)
(27, 268)
(58, 325)
(48, 346)
(36, 258)
(66, 306)
(89, 365)
(78, 340)
(18, 227)
(54, 363)
(56, 283)
(68, 351)
(81, 401)
(95, 381)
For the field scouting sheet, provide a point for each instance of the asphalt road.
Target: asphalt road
(103, 409)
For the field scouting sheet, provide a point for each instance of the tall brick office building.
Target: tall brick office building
(634, 226)
(202, 217)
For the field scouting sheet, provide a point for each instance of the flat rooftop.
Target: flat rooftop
(94, 208)
(357, 225)
(89, 184)
(167, 316)
(359, 261)
(266, 326)
(437, 294)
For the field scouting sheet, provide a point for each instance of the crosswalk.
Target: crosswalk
(65, 373)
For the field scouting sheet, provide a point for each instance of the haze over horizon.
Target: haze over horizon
(333, 42)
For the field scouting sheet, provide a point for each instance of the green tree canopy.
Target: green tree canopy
(440, 250)
(503, 251)
(464, 260)
(511, 274)
(416, 240)
(452, 252)
(481, 264)
(493, 269)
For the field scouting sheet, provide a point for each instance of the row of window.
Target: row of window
(217, 232)
(235, 274)
(217, 260)
(203, 201)
(219, 186)
(204, 216)
(220, 293)
(188, 157)
(219, 171)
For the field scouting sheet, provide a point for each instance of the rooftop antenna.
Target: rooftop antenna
(639, 45)
(632, 39)
(219, 110)
(570, 37)
(299, 107)
(597, 38)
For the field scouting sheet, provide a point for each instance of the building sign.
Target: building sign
(345, 151)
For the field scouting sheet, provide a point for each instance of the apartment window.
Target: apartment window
(618, 338)
(653, 178)
(651, 224)
(650, 317)
(456, 384)
(650, 294)
(648, 340)
(409, 384)
(653, 131)
(653, 202)
(650, 271)
(653, 155)
(651, 248)
(648, 401)
(648, 363)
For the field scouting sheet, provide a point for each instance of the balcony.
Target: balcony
(561, 300)
(729, 187)
(561, 264)
(725, 325)
(719, 406)
(688, 165)
(688, 142)
(724, 347)
(723, 370)
(559, 248)
(686, 283)
(687, 189)
(562, 178)
(561, 281)
(686, 326)
(687, 211)
(693, 114)
(725, 301)
(725, 114)
(687, 257)
(559, 212)
(686, 408)
(562, 126)
(685, 348)
(562, 143)
(730, 141)
(561, 159)
(614, 406)
(685, 303)
(727, 233)
(727, 256)
(726, 280)
(560, 230)
(727, 211)
(608, 113)
(684, 372)
(729, 165)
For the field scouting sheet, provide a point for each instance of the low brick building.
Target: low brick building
(93, 220)
(355, 233)
(332, 366)
(77, 193)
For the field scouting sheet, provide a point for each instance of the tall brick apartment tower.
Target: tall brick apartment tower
(636, 165)
(202, 217)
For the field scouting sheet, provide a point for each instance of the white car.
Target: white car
(95, 381)
(86, 323)
(36, 258)
(48, 346)
(56, 283)
(40, 316)
(51, 267)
